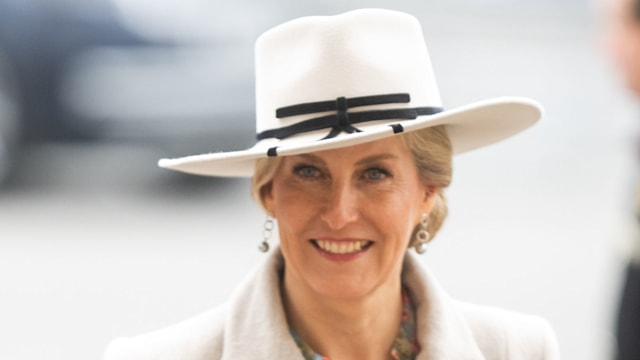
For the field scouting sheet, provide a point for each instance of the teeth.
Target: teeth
(357, 246)
(341, 247)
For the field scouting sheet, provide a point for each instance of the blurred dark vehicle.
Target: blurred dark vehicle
(76, 70)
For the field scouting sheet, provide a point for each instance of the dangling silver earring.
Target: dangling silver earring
(266, 234)
(423, 236)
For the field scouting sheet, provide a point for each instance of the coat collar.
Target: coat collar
(256, 325)
(443, 331)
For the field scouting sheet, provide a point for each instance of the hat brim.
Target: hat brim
(469, 127)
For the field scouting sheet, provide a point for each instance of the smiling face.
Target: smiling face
(346, 216)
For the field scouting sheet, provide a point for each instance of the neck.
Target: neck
(345, 328)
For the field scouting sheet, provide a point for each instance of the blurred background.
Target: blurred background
(96, 242)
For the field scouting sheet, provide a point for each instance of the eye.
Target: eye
(376, 174)
(306, 171)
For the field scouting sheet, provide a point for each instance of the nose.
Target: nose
(341, 207)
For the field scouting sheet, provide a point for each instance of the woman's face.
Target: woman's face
(346, 216)
(623, 40)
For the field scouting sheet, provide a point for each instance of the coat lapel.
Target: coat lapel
(256, 325)
(443, 331)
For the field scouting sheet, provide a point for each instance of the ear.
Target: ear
(429, 199)
(266, 196)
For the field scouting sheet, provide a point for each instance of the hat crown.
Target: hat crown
(330, 82)
(358, 53)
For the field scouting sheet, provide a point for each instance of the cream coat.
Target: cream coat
(253, 326)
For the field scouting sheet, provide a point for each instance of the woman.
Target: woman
(623, 40)
(353, 154)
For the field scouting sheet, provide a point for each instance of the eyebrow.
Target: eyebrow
(310, 158)
(366, 160)
(377, 157)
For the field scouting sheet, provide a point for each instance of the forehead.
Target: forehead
(392, 146)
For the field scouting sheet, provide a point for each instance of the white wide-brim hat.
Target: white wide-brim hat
(326, 82)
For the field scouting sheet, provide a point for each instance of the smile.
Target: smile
(342, 247)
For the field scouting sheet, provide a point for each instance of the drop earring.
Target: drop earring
(266, 234)
(423, 236)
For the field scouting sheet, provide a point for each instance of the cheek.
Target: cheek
(288, 200)
(397, 213)
(293, 207)
(626, 49)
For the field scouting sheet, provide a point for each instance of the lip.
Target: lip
(358, 247)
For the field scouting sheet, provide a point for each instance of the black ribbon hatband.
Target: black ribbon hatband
(343, 120)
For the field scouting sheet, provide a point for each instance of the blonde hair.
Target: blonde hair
(432, 152)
